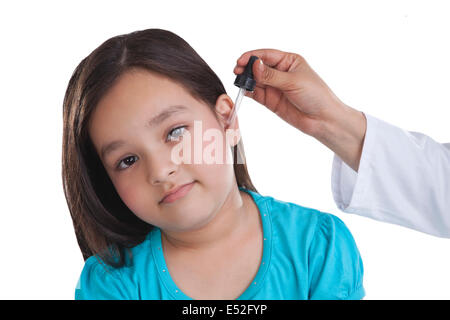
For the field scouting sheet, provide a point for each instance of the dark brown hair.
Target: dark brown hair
(104, 225)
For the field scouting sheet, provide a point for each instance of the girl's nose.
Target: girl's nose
(160, 168)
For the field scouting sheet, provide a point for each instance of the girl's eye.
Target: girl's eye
(176, 133)
(125, 160)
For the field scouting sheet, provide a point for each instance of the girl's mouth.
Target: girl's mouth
(178, 194)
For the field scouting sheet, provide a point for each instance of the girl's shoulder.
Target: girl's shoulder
(319, 240)
(300, 222)
(289, 212)
(330, 250)
(99, 280)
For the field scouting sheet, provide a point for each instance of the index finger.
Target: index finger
(271, 57)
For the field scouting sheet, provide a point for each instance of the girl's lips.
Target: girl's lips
(181, 192)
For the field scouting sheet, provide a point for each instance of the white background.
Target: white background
(389, 59)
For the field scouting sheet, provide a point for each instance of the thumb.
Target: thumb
(269, 76)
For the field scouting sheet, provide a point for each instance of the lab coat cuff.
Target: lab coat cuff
(348, 186)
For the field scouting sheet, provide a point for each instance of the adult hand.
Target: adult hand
(288, 86)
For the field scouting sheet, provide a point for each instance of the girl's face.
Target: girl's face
(141, 165)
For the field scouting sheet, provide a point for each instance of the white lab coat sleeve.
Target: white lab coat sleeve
(403, 178)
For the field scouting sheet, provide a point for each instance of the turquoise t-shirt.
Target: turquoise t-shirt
(307, 254)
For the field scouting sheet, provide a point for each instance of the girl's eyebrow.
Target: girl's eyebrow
(156, 120)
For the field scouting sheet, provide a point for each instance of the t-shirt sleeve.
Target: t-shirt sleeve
(101, 282)
(335, 264)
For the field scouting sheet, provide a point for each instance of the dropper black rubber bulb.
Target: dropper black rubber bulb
(245, 80)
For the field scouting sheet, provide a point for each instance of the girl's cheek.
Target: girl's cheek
(129, 195)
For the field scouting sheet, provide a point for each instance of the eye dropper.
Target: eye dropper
(244, 81)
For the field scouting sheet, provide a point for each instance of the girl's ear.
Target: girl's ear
(223, 108)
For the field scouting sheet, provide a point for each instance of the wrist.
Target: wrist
(343, 130)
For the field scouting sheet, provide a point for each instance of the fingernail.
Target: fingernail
(260, 65)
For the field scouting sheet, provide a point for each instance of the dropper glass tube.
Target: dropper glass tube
(237, 103)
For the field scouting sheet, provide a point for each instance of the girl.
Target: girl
(150, 227)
